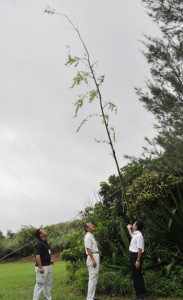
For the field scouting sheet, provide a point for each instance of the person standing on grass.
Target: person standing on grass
(93, 260)
(136, 252)
(43, 266)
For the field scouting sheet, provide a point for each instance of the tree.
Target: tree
(164, 95)
(168, 14)
(1, 235)
(9, 234)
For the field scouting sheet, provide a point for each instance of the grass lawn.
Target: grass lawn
(17, 282)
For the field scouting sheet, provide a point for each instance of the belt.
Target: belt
(96, 252)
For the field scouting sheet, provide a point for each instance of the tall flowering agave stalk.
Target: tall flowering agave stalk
(86, 74)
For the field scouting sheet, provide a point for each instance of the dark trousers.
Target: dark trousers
(137, 276)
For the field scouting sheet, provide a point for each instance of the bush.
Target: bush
(81, 278)
(67, 255)
(158, 284)
(114, 283)
(109, 282)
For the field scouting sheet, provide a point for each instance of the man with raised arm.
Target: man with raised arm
(136, 252)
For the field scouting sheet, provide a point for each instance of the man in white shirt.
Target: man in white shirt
(93, 259)
(136, 251)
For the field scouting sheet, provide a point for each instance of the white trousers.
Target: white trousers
(93, 276)
(43, 283)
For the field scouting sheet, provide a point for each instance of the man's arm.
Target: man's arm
(137, 263)
(38, 261)
(129, 227)
(92, 258)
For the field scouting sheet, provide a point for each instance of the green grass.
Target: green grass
(17, 282)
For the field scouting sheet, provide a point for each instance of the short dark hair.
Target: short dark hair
(86, 227)
(140, 225)
(37, 233)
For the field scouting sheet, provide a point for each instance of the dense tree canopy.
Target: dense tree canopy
(168, 14)
(164, 94)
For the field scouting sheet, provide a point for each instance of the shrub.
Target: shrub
(109, 282)
(158, 284)
(81, 278)
(114, 283)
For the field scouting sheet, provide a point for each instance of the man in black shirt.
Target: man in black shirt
(43, 266)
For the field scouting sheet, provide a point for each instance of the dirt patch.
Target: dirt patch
(31, 258)
(56, 256)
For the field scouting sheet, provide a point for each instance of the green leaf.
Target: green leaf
(113, 133)
(112, 107)
(114, 258)
(101, 79)
(78, 104)
(168, 268)
(92, 95)
(124, 239)
(78, 79)
(83, 122)
(106, 118)
(72, 60)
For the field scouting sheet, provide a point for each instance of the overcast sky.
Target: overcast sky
(48, 173)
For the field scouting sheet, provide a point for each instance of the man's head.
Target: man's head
(88, 227)
(138, 225)
(40, 234)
